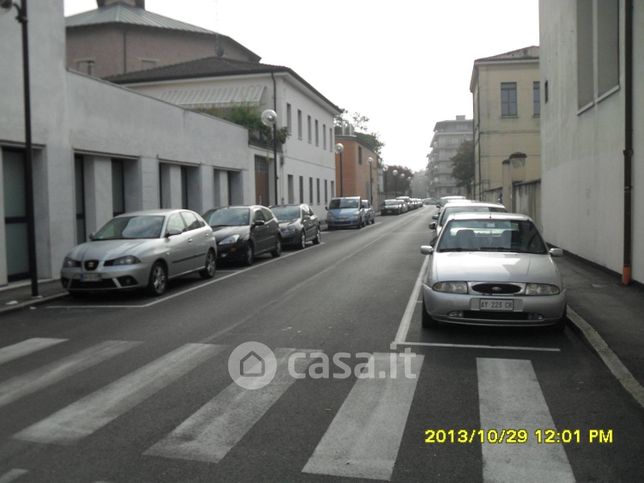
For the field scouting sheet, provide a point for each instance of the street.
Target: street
(130, 388)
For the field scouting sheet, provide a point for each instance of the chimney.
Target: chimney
(131, 3)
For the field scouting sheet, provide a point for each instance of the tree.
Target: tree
(359, 122)
(463, 165)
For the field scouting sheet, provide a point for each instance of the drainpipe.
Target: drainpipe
(277, 201)
(628, 141)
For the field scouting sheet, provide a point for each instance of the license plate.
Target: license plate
(90, 277)
(500, 305)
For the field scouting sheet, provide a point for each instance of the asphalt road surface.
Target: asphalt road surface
(126, 388)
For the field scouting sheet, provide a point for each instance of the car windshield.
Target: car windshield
(392, 202)
(519, 236)
(339, 203)
(237, 216)
(286, 213)
(131, 227)
(450, 210)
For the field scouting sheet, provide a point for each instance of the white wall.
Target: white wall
(582, 160)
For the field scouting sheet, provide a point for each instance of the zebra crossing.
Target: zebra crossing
(362, 440)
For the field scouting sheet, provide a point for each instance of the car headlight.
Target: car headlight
(229, 240)
(71, 263)
(126, 260)
(541, 289)
(450, 287)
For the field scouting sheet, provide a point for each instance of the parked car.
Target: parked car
(345, 211)
(243, 232)
(143, 249)
(407, 201)
(492, 269)
(392, 207)
(463, 206)
(446, 199)
(298, 224)
(369, 213)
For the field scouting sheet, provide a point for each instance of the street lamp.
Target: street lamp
(339, 148)
(370, 160)
(5, 6)
(269, 118)
(395, 173)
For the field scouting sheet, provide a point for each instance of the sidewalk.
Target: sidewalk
(18, 295)
(615, 311)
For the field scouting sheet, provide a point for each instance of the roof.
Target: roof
(210, 67)
(120, 13)
(529, 54)
(209, 97)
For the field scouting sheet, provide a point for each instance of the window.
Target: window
(289, 121)
(317, 133)
(301, 189)
(299, 124)
(175, 223)
(326, 191)
(607, 46)
(291, 195)
(331, 139)
(584, 52)
(324, 136)
(317, 182)
(508, 99)
(259, 216)
(184, 187)
(536, 99)
(310, 190)
(332, 189)
(309, 135)
(86, 66)
(79, 173)
(192, 223)
(359, 154)
(118, 187)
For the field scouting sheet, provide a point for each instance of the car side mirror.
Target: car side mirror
(259, 223)
(91, 236)
(426, 249)
(326, 208)
(556, 252)
(172, 232)
(434, 217)
(432, 226)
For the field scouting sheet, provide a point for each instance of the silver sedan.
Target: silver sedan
(143, 249)
(492, 269)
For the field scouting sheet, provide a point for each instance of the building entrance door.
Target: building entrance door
(15, 214)
(261, 181)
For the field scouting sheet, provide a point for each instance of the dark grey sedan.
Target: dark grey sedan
(298, 224)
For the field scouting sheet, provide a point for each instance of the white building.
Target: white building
(306, 169)
(592, 118)
(448, 136)
(99, 150)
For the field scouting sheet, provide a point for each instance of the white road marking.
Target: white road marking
(96, 410)
(481, 346)
(210, 433)
(614, 364)
(405, 322)
(28, 383)
(510, 397)
(185, 291)
(364, 437)
(12, 475)
(26, 347)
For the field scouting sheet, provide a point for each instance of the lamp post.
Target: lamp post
(5, 6)
(269, 118)
(370, 160)
(395, 173)
(339, 148)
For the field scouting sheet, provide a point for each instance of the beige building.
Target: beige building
(507, 106)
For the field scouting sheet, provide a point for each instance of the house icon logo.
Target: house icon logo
(252, 365)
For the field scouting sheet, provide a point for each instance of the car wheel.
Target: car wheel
(158, 280)
(250, 255)
(278, 248)
(318, 237)
(210, 266)
(302, 240)
(427, 321)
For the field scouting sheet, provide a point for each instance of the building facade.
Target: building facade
(357, 169)
(306, 161)
(99, 150)
(448, 136)
(592, 127)
(122, 36)
(507, 105)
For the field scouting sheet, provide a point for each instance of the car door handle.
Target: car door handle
(189, 240)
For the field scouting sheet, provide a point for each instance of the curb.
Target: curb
(31, 302)
(608, 357)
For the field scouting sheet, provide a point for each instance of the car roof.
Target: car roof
(285, 205)
(490, 216)
(474, 203)
(345, 197)
(158, 212)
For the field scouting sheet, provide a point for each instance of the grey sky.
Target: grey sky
(405, 64)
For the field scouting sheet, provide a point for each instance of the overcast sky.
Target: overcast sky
(405, 64)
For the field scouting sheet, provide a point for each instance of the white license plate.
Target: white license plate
(90, 277)
(500, 305)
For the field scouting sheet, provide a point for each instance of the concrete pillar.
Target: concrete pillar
(206, 188)
(170, 185)
(220, 188)
(3, 242)
(236, 187)
(507, 184)
(133, 185)
(148, 179)
(195, 189)
(98, 192)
